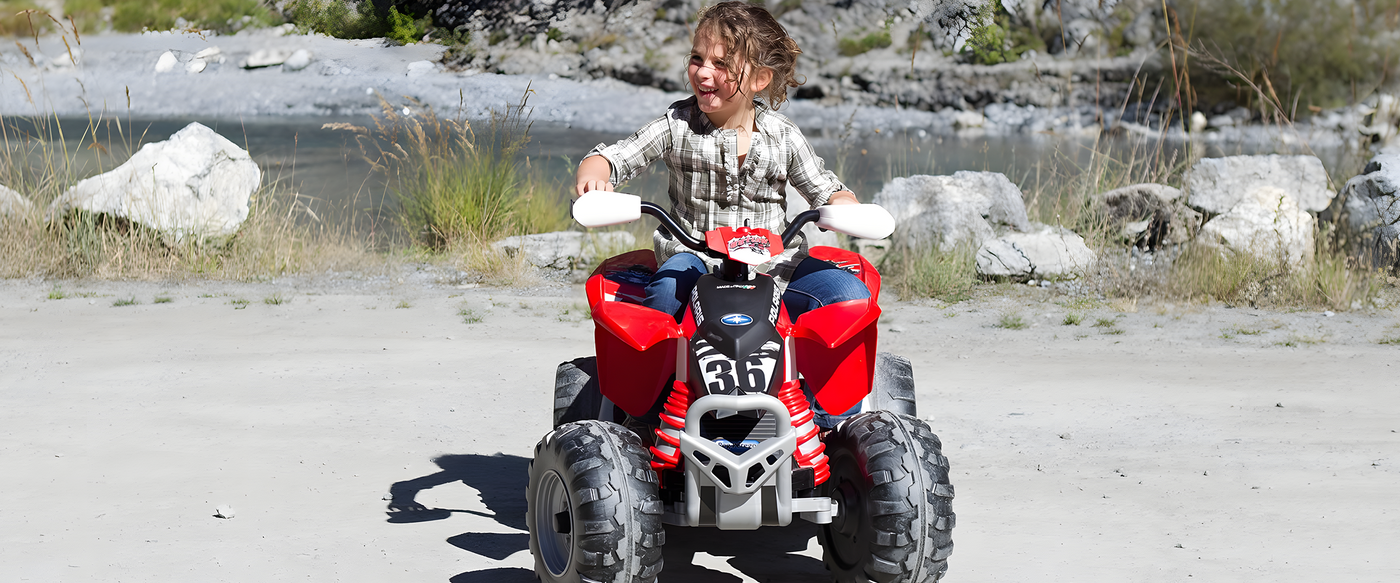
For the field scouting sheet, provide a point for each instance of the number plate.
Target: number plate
(751, 374)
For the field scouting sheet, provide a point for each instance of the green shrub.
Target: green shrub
(1314, 53)
(996, 40)
(336, 18)
(137, 15)
(404, 29)
(850, 47)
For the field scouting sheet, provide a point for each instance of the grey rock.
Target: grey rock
(1216, 185)
(1266, 223)
(1368, 210)
(1050, 252)
(13, 203)
(566, 250)
(197, 183)
(1149, 215)
(946, 211)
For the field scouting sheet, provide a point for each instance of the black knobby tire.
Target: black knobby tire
(576, 393)
(592, 506)
(896, 517)
(893, 386)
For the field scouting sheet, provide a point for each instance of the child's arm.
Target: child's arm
(594, 173)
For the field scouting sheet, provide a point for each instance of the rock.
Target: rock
(566, 250)
(13, 203)
(968, 119)
(945, 211)
(299, 60)
(1382, 119)
(1267, 223)
(166, 62)
(1198, 122)
(1369, 213)
(1050, 252)
(195, 66)
(265, 58)
(1149, 215)
(209, 53)
(1215, 185)
(224, 511)
(197, 183)
(420, 68)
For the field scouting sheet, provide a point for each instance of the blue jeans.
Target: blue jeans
(815, 283)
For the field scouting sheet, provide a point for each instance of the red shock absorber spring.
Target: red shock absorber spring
(810, 449)
(666, 453)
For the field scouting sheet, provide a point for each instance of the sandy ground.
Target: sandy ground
(1196, 444)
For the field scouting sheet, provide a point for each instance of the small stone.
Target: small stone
(1279, 405)
(1329, 313)
(223, 511)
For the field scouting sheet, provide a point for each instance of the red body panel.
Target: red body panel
(835, 347)
(637, 346)
(636, 353)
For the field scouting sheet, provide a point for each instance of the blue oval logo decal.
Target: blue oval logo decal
(737, 320)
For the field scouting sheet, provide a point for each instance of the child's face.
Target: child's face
(715, 82)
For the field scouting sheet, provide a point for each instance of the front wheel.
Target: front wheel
(592, 507)
(896, 517)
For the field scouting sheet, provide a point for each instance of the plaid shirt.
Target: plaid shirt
(708, 187)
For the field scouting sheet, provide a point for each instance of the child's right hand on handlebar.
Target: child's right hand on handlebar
(593, 174)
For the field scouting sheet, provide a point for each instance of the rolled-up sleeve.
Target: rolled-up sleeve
(807, 172)
(632, 154)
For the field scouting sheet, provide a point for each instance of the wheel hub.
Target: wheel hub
(554, 524)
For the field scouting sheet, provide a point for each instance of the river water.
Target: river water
(328, 174)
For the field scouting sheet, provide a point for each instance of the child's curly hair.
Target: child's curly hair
(750, 34)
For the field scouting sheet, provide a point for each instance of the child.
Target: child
(730, 157)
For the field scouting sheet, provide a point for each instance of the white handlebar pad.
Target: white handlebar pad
(863, 221)
(601, 208)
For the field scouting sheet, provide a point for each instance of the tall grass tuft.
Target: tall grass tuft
(459, 188)
(947, 275)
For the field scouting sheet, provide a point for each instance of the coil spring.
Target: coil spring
(666, 453)
(811, 452)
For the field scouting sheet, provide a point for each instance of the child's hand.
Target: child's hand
(591, 185)
(593, 174)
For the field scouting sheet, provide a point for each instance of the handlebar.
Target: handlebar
(669, 223)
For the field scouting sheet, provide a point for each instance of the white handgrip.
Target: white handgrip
(601, 208)
(863, 221)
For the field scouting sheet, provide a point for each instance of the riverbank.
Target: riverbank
(178, 75)
(1175, 442)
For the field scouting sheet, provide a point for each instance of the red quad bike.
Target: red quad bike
(710, 422)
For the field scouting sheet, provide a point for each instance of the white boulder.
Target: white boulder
(1216, 185)
(13, 203)
(420, 68)
(197, 183)
(1267, 223)
(166, 62)
(266, 58)
(945, 211)
(566, 250)
(1049, 252)
(299, 60)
